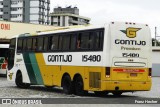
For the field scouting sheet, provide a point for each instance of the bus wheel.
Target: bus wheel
(20, 83)
(117, 93)
(67, 84)
(49, 87)
(78, 83)
(101, 93)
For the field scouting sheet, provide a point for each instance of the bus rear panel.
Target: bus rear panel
(130, 58)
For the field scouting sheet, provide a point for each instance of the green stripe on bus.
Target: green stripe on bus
(36, 68)
(29, 68)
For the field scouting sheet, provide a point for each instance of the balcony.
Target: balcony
(43, 13)
(40, 13)
(1, 6)
(48, 1)
(40, 19)
(17, 12)
(76, 22)
(48, 8)
(73, 21)
(48, 21)
(17, 5)
(42, 0)
(43, 6)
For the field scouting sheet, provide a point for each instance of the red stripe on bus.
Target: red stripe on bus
(128, 70)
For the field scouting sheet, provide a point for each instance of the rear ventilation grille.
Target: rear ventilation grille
(94, 80)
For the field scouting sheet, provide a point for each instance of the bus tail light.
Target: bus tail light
(107, 71)
(150, 72)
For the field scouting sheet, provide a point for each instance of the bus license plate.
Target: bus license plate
(133, 74)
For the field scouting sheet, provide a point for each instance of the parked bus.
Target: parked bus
(3, 58)
(115, 58)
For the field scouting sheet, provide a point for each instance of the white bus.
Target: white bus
(3, 58)
(114, 58)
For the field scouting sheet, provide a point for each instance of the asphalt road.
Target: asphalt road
(9, 90)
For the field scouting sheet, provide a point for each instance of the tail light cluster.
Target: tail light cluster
(150, 72)
(107, 71)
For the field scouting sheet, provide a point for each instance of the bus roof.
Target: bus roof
(60, 30)
(70, 29)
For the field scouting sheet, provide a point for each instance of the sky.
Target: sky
(103, 11)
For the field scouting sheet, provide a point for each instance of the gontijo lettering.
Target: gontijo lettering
(59, 58)
(130, 42)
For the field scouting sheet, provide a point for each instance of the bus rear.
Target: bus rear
(3, 58)
(130, 57)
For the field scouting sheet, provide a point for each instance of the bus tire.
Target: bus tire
(19, 81)
(117, 93)
(78, 86)
(49, 87)
(67, 84)
(101, 93)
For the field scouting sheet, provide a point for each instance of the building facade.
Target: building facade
(67, 17)
(27, 11)
(156, 61)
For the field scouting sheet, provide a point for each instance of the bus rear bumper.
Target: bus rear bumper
(125, 86)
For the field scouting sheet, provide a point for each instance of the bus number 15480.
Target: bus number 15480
(91, 58)
(130, 54)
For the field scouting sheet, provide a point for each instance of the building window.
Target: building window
(14, 9)
(5, 5)
(14, 2)
(13, 16)
(5, 12)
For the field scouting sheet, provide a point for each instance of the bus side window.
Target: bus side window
(72, 42)
(98, 40)
(54, 43)
(60, 42)
(79, 41)
(84, 42)
(45, 43)
(19, 47)
(34, 44)
(24, 44)
(29, 44)
(91, 40)
(40, 44)
(66, 41)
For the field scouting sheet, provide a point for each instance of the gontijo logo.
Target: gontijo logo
(131, 32)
